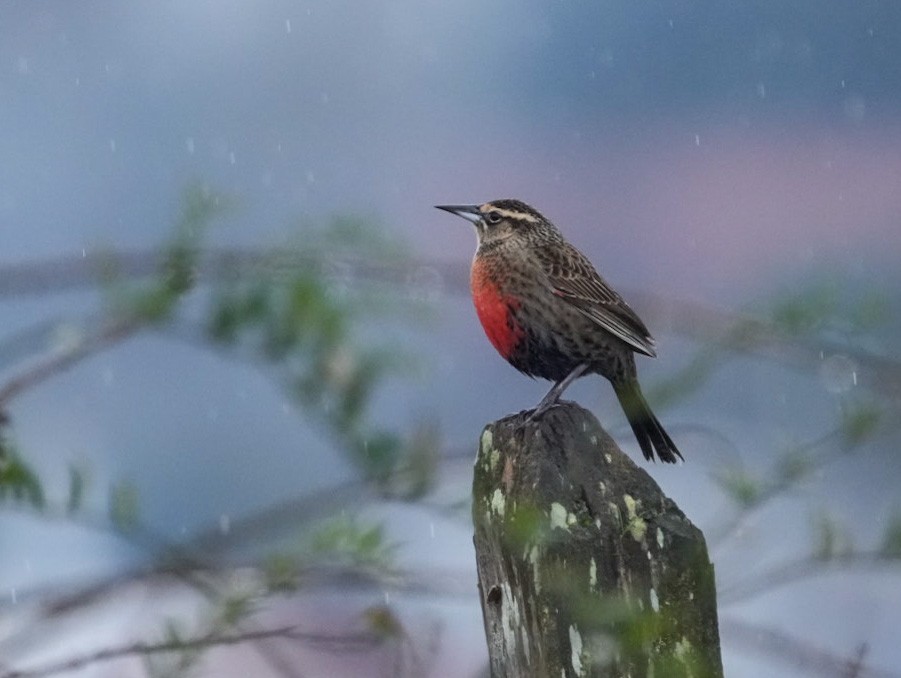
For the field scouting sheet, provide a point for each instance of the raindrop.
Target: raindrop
(13, 597)
(287, 25)
(112, 145)
(231, 157)
(697, 139)
(189, 145)
(838, 373)
(761, 90)
(225, 524)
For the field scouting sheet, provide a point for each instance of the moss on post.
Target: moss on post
(585, 567)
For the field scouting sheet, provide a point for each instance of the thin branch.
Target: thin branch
(804, 568)
(145, 649)
(58, 361)
(799, 653)
(740, 333)
(781, 486)
(343, 643)
(856, 665)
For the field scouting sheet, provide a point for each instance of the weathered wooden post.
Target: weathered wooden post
(585, 567)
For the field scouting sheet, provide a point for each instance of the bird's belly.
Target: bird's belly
(495, 313)
(544, 353)
(531, 329)
(556, 340)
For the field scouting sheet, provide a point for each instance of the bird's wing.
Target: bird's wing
(574, 279)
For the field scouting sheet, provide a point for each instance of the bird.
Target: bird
(551, 315)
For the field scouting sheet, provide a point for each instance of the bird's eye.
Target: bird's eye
(493, 218)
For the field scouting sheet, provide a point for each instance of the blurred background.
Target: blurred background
(241, 379)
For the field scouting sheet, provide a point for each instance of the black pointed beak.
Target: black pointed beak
(468, 212)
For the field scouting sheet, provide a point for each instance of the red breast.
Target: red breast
(494, 309)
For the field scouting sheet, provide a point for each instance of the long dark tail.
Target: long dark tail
(647, 429)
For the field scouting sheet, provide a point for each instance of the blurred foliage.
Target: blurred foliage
(891, 539)
(183, 645)
(307, 313)
(18, 481)
(344, 541)
(296, 321)
(123, 506)
(830, 305)
(829, 313)
(156, 301)
(340, 542)
(807, 311)
(297, 315)
(743, 488)
(830, 539)
(281, 572)
(300, 318)
(383, 622)
(859, 423)
(77, 486)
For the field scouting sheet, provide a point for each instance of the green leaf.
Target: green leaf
(806, 312)
(344, 539)
(123, 506)
(281, 573)
(418, 463)
(76, 489)
(379, 454)
(236, 608)
(792, 467)
(869, 312)
(891, 539)
(686, 381)
(829, 538)
(743, 488)
(859, 423)
(18, 481)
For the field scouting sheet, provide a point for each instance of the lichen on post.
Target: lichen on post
(585, 567)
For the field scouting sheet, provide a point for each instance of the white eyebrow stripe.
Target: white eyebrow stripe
(510, 214)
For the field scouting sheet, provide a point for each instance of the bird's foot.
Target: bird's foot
(553, 396)
(542, 407)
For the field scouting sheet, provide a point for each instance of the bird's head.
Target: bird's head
(501, 220)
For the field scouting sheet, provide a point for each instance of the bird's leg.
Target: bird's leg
(557, 390)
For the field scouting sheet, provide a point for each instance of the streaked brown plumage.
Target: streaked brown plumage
(550, 314)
